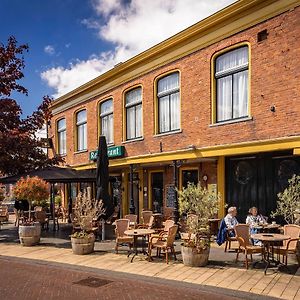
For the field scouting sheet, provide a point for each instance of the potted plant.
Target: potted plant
(85, 212)
(199, 204)
(288, 205)
(34, 190)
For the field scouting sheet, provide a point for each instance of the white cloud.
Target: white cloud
(131, 27)
(49, 49)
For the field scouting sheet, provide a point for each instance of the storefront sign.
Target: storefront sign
(112, 152)
(171, 195)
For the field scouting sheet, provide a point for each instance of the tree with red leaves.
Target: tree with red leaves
(20, 149)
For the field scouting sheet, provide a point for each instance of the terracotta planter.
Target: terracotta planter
(30, 235)
(85, 245)
(192, 258)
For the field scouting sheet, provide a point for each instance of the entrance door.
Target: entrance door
(157, 185)
(256, 181)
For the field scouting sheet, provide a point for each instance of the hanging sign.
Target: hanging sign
(112, 152)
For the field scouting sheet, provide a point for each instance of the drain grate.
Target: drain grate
(93, 282)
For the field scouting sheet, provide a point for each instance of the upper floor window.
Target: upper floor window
(107, 120)
(133, 106)
(81, 125)
(231, 75)
(168, 103)
(61, 136)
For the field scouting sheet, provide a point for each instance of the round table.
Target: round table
(266, 227)
(136, 233)
(269, 241)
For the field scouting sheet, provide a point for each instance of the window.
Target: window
(231, 75)
(81, 130)
(107, 120)
(133, 106)
(189, 176)
(168, 103)
(61, 136)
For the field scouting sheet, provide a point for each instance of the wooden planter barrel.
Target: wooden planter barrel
(191, 258)
(85, 245)
(30, 235)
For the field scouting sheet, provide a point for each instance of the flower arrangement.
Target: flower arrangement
(200, 204)
(288, 203)
(33, 189)
(86, 210)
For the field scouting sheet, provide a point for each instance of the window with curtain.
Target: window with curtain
(107, 120)
(133, 106)
(231, 75)
(168, 103)
(62, 136)
(81, 124)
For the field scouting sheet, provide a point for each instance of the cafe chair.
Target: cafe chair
(146, 215)
(229, 239)
(132, 219)
(164, 243)
(164, 232)
(289, 246)
(242, 233)
(41, 217)
(121, 238)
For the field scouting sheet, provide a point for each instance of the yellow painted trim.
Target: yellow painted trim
(190, 168)
(235, 18)
(99, 111)
(288, 143)
(124, 117)
(125, 193)
(213, 80)
(296, 151)
(149, 187)
(155, 99)
(75, 131)
(221, 185)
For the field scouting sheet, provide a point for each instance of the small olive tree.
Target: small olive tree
(202, 205)
(288, 202)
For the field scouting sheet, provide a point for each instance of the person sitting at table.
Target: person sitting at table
(254, 219)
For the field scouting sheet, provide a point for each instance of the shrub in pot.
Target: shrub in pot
(86, 210)
(199, 204)
(34, 190)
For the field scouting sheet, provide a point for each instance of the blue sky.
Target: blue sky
(73, 41)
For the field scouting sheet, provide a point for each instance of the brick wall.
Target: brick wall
(275, 77)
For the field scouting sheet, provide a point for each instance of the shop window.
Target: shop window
(107, 120)
(189, 176)
(133, 107)
(168, 103)
(81, 124)
(61, 136)
(231, 76)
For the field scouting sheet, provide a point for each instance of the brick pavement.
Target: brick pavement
(222, 272)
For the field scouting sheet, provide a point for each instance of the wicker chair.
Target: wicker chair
(41, 217)
(132, 219)
(146, 215)
(229, 239)
(121, 238)
(242, 233)
(164, 243)
(289, 246)
(164, 232)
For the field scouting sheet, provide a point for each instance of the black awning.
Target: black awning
(56, 175)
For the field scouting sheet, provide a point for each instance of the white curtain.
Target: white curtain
(174, 106)
(164, 114)
(138, 120)
(130, 118)
(62, 149)
(82, 137)
(168, 83)
(224, 94)
(134, 113)
(107, 123)
(240, 94)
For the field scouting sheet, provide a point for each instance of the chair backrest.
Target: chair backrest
(171, 235)
(40, 216)
(146, 214)
(38, 208)
(168, 224)
(293, 231)
(121, 226)
(151, 221)
(131, 218)
(242, 233)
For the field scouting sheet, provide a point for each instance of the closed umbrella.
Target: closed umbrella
(102, 178)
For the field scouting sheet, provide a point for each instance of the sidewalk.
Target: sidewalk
(222, 271)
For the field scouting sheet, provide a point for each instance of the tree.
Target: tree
(20, 150)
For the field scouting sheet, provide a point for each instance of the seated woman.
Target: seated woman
(254, 219)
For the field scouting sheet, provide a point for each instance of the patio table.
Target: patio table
(270, 241)
(136, 233)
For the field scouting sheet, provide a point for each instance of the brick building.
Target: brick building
(216, 103)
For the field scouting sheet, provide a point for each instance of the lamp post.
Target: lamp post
(175, 182)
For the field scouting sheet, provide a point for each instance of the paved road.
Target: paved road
(21, 279)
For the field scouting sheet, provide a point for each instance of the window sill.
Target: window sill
(81, 151)
(110, 145)
(133, 140)
(62, 155)
(168, 133)
(232, 121)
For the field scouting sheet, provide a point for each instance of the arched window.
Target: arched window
(61, 136)
(133, 107)
(81, 126)
(168, 103)
(107, 120)
(231, 76)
